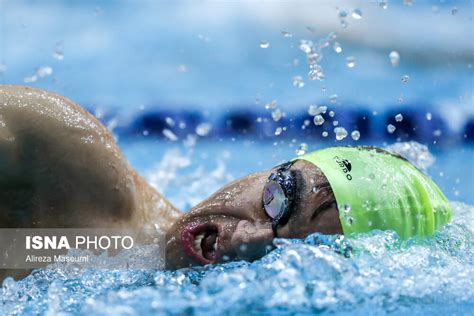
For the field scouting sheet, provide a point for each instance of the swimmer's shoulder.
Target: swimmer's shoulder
(27, 108)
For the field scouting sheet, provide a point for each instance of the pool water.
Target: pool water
(374, 273)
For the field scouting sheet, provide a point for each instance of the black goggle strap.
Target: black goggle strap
(283, 168)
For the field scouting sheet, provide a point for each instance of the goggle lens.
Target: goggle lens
(274, 199)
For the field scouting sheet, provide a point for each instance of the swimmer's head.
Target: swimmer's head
(239, 222)
(335, 190)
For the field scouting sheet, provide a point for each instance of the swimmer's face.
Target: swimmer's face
(232, 224)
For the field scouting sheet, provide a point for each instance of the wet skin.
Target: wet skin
(61, 168)
(232, 224)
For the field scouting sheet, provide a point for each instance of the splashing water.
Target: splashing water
(418, 154)
(314, 55)
(372, 273)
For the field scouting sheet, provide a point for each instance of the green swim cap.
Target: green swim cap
(378, 190)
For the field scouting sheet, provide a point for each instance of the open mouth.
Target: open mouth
(201, 242)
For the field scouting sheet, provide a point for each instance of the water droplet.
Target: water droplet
(325, 134)
(429, 116)
(333, 98)
(391, 128)
(357, 14)
(170, 135)
(383, 4)
(366, 205)
(29, 79)
(44, 71)
(306, 46)
(277, 115)
(58, 54)
(335, 123)
(399, 117)
(342, 14)
(272, 105)
(203, 129)
(315, 110)
(302, 148)
(169, 121)
(318, 120)
(349, 220)
(264, 44)
(346, 208)
(394, 58)
(286, 34)
(350, 62)
(331, 113)
(298, 82)
(355, 135)
(405, 79)
(454, 11)
(278, 131)
(340, 132)
(40, 72)
(337, 47)
(313, 58)
(344, 24)
(316, 74)
(437, 133)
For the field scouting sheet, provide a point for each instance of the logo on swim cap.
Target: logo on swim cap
(345, 166)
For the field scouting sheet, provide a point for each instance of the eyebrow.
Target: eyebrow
(328, 203)
(300, 184)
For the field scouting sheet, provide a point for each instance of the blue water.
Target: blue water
(372, 274)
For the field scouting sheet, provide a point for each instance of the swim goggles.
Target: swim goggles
(278, 195)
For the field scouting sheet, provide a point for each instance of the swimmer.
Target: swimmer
(61, 168)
